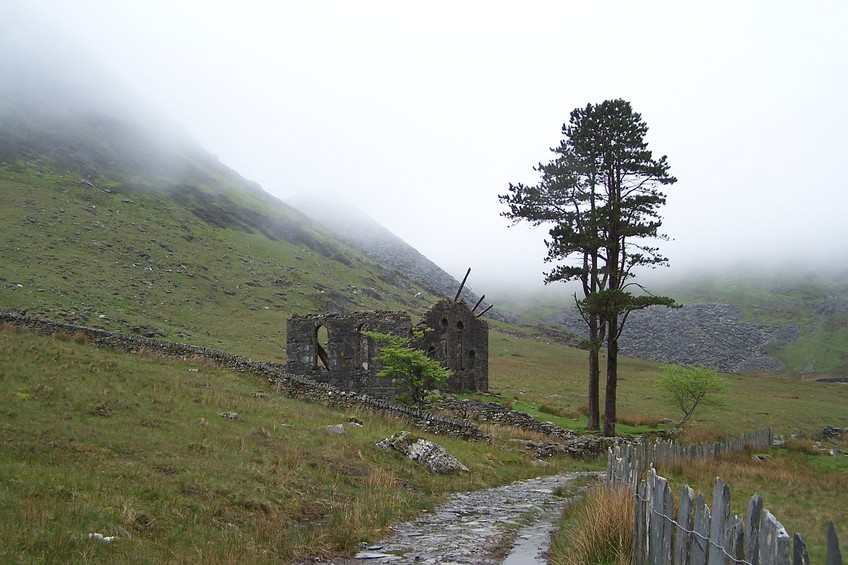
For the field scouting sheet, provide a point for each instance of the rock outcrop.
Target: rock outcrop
(433, 456)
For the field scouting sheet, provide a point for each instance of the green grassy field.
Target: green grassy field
(530, 369)
(135, 446)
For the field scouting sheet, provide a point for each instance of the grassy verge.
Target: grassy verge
(135, 446)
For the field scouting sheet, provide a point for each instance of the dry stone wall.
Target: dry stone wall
(303, 388)
(291, 385)
(565, 442)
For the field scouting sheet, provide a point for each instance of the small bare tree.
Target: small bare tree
(688, 388)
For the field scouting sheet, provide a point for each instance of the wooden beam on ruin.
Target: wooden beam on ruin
(462, 284)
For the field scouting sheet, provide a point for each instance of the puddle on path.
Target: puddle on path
(531, 545)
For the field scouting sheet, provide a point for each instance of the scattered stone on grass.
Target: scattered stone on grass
(433, 456)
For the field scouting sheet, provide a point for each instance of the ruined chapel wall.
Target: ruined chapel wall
(460, 341)
(349, 354)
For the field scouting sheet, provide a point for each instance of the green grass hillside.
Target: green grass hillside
(545, 374)
(210, 264)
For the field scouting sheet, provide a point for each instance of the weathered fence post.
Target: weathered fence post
(799, 551)
(662, 506)
(653, 521)
(774, 541)
(684, 525)
(641, 524)
(753, 519)
(735, 537)
(701, 532)
(721, 513)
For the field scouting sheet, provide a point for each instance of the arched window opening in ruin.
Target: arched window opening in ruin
(366, 344)
(322, 341)
(472, 356)
(459, 325)
(444, 322)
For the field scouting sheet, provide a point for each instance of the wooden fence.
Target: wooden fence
(639, 456)
(694, 534)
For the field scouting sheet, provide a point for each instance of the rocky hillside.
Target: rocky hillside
(775, 335)
(112, 217)
(696, 334)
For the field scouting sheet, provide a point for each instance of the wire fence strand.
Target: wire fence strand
(655, 512)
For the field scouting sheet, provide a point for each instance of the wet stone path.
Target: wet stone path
(509, 524)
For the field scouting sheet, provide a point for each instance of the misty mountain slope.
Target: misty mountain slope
(378, 243)
(112, 217)
(78, 250)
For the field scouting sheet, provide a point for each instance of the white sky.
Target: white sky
(422, 113)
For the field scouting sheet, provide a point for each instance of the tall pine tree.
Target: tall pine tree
(601, 195)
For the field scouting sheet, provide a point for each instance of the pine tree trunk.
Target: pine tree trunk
(612, 377)
(594, 378)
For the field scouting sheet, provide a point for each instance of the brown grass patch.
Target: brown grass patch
(62, 336)
(553, 410)
(508, 432)
(706, 434)
(581, 410)
(743, 466)
(802, 446)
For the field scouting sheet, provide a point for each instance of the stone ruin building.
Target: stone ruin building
(332, 348)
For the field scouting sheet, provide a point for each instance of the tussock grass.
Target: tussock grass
(701, 434)
(597, 530)
(805, 446)
(552, 409)
(579, 412)
(640, 420)
(508, 433)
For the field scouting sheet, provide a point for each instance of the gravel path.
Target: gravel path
(470, 526)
